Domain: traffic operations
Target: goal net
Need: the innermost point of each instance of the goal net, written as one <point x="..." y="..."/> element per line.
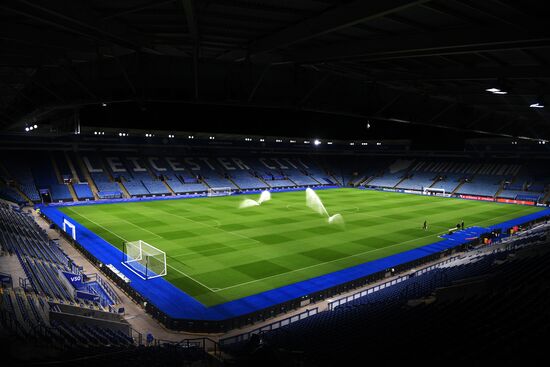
<point x="144" y="260"/>
<point x="219" y="191"/>
<point x="434" y="191"/>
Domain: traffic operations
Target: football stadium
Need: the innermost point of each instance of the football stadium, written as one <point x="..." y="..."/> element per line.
<point x="271" y="183"/>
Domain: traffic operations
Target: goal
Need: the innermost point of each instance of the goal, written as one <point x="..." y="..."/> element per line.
<point x="219" y="191"/>
<point x="69" y="225"/>
<point x="144" y="260"/>
<point x="434" y="191"/>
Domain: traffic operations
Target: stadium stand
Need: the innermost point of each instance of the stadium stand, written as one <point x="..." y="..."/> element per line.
<point x="162" y="175"/>
<point x="44" y="308"/>
<point x="448" y="182"/>
<point x="245" y="180"/>
<point x="21" y="173"/>
<point x="393" y="175"/>
<point x="43" y="261"/>
<point x="83" y="191"/>
<point x="417" y="181"/>
<point x="10" y="194"/>
<point x="42" y="314"/>
<point x="482" y="185"/>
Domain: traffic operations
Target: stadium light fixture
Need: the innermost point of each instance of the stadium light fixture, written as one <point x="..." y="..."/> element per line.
<point x="211" y="137"/>
<point x="104" y="104"/>
<point x="378" y="143"/>
<point x="293" y="141"/>
<point x="35" y="126"/>
<point x="278" y="140"/>
<point x="306" y="141"/>
<point x="496" y="91"/>
<point x="352" y="143"/>
<point x="191" y="137"/>
<point x="364" y="143"/>
<point x="329" y="143"/>
<point x="317" y="142"/>
<point x="262" y="140"/>
<point x="27" y="129"/>
<point x="536" y="105"/>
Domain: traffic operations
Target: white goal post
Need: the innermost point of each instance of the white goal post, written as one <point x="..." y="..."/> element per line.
<point x="434" y="191"/>
<point x="144" y="260"/>
<point x="219" y="191"/>
<point x="67" y="224"/>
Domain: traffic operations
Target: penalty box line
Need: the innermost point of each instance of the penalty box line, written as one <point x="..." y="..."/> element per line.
<point x="170" y="266"/>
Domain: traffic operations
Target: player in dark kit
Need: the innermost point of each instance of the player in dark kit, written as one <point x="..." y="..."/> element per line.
<point x="425" y="226"/>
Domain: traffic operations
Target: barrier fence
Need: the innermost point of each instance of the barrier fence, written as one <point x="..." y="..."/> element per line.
<point x="269" y="327"/>
<point x="333" y="304"/>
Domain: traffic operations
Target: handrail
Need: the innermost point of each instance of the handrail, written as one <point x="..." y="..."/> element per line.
<point x="274" y="325"/>
<point x="338" y="302"/>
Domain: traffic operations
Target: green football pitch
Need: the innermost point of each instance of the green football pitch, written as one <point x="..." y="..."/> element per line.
<point x="217" y="252"/>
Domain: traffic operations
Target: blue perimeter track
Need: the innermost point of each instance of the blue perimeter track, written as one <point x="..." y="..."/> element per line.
<point x="178" y="305"/>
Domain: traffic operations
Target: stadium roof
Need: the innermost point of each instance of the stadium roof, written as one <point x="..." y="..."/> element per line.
<point x="425" y="62"/>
